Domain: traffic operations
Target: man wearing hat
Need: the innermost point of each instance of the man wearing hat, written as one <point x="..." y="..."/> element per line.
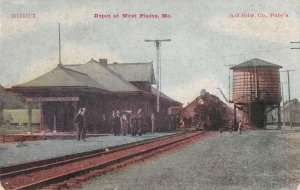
<point x="80" y="124"/>
<point x="116" y="123"/>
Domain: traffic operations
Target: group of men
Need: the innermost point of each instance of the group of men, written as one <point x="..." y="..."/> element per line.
<point x="127" y="123"/>
<point x="120" y="123"/>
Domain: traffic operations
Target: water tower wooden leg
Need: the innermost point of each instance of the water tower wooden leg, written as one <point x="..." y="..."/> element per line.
<point x="279" y="116"/>
<point x="234" y="113"/>
<point x="249" y="115"/>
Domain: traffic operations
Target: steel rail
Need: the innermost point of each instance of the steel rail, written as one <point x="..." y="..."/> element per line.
<point x="90" y="156"/>
<point x="23" y="168"/>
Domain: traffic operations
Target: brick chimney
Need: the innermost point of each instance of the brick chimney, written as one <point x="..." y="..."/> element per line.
<point x="103" y="62"/>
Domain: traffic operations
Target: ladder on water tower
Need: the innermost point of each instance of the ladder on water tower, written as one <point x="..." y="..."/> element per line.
<point x="248" y="92"/>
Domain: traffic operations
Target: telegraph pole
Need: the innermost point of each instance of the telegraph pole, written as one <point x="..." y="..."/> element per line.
<point x="288" y="74"/>
<point x="282" y="95"/>
<point x="59" y="49"/>
<point x="229" y="80"/>
<point x="289" y="92"/>
<point x="59" y="64"/>
<point x="157" y="44"/>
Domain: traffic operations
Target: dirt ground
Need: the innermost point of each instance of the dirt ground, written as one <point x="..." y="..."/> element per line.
<point x="293" y="149"/>
<point x="261" y="159"/>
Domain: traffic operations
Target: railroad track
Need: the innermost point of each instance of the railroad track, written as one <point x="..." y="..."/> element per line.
<point x="43" y="173"/>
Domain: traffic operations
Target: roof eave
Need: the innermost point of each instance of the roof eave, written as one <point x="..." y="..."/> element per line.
<point x="251" y="66"/>
<point x="127" y="92"/>
<point x="20" y="88"/>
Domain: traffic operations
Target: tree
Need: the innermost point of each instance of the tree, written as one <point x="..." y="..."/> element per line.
<point x="12" y="101"/>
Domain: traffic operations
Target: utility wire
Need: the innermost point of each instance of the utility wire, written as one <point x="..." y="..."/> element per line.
<point x="240" y="54"/>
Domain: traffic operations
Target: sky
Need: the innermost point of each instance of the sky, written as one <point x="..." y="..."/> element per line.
<point x="205" y="36"/>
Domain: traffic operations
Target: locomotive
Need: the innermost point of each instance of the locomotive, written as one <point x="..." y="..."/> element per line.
<point x="211" y="113"/>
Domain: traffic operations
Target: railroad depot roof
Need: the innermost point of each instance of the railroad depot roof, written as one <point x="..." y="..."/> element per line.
<point x="108" y="79"/>
<point x="93" y="74"/>
<point x="255" y="63"/>
<point x="134" y="72"/>
<point x="162" y="95"/>
<point x="61" y="77"/>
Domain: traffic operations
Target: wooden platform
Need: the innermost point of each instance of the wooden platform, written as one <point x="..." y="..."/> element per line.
<point x="7" y="138"/>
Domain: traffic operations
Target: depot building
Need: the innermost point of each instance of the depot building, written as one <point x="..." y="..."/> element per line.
<point x="96" y="85"/>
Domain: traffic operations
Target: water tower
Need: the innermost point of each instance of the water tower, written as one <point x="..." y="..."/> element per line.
<point x="256" y="90"/>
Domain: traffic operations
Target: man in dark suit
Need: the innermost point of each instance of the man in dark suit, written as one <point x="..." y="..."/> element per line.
<point x="115" y="123"/>
<point x="80" y="123"/>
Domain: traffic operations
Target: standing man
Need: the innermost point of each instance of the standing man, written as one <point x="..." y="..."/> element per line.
<point x="124" y="124"/>
<point x="80" y="123"/>
<point x="240" y="127"/>
<point x="153" y="122"/>
<point x="140" y="120"/>
<point x="116" y="124"/>
<point x="84" y="126"/>
<point x="111" y="122"/>
<point x="133" y="124"/>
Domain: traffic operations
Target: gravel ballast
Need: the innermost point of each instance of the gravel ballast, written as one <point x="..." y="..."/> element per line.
<point x="253" y="160"/>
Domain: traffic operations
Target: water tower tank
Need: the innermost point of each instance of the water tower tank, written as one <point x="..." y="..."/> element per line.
<point x="256" y="86"/>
